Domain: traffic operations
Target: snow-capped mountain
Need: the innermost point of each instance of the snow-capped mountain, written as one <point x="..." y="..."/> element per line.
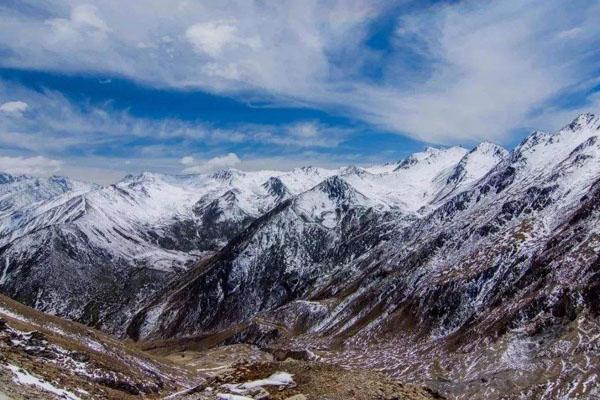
<point x="493" y="276"/>
<point x="137" y="232"/>
<point x="17" y="192"/>
<point x="145" y="229"/>
<point x="462" y="268"/>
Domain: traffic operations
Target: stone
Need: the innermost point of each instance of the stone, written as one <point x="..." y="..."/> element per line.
<point x="262" y="394"/>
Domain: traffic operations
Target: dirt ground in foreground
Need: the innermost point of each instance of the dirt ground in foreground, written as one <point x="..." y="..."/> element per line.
<point x="313" y="380"/>
<point x="329" y="382"/>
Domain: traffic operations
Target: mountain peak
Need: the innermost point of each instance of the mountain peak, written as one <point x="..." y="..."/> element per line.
<point x="276" y="188"/>
<point x="429" y="155"/>
<point x="336" y="188"/>
<point x="226" y="174"/>
<point x="353" y="170"/>
<point x="477" y="162"/>
<point x="63" y="181"/>
<point x="145" y="176"/>
<point x="582" y="121"/>
<point x="6" y="178"/>
<point x="489" y="148"/>
<point x="530" y="141"/>
<point x="307" y="169"/>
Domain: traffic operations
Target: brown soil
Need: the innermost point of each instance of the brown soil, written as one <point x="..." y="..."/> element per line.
<point x="180" y="365"/>
<point x="328" y="382"/>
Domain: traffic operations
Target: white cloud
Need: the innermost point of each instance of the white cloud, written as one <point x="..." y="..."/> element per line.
<point x="489" y="67"/>
<point x="305" y="130"/>
<point x="279" y="48"/>
<point x="55" y="124"/>
<point x="213" y="164"/>
<point x="86" y="15"/>
<point x="83" y="30"/>
<point x="570" y="33"/>
<point x="482" y="68"/>
<point x="29" y="165"/>
<point x="14" y="107"/>
<point x="187" y="160"/>
<point x="299" y="135"/>
<point x="213" y="36"/>
<point x="55" y="129"/>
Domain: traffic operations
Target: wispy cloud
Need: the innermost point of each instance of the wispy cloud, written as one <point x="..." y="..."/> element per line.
<point x="49" y="122"/>
<point x="458" y="71"/>
<point x="213" y="37"/>
<point x="43" y="132"/>
<point x="193" y="166"/>
<point x="29" y="165"/>
<point x="491" y="65"/>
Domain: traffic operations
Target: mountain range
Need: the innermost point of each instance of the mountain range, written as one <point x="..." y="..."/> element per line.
<point x="474" y="272"/>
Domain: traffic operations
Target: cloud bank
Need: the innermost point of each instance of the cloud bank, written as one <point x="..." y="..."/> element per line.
<point x="29" y="165"/>
<point x="43" y="132"/>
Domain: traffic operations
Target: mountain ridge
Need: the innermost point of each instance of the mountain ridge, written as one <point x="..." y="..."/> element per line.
<point x="469" y="255"/>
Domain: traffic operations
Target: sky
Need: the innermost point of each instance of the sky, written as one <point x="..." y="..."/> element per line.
<point x="99" y="89"/>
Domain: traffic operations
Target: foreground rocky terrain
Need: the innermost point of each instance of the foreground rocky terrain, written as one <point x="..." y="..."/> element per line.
<point x="473" y="273"/>
<point x="44" y="357"/>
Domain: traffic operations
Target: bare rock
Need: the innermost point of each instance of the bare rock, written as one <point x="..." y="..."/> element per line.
<point x="262" y="394"/>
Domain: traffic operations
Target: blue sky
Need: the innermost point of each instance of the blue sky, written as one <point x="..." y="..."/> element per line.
<point x="99" y="89"/>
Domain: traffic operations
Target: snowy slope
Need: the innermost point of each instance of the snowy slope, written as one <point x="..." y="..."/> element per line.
<point x="17" y="192"/>
<point x="136" y="235"/>
<point x="413" y="183"/>
<point x="23" y="189"/>
<point x="128" y="239"/>
<point x="465" y="270"/>
<point x="471" y="168"/>
<point x="127" y="218"/>
<point x="131" y="218"/>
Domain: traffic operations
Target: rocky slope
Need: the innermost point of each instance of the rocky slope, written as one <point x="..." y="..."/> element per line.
<point x="46" y="358"/>
<point x="127" y="239"/>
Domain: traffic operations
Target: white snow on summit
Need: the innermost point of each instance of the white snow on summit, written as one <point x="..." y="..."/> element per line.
<point x="115" y="217"/>
<point x="541" y="150"/>
<point x="413" y="183"/>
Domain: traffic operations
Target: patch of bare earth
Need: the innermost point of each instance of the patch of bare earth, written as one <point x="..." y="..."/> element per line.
<point x="42" y="355"/>
<point x="231" y="366"/>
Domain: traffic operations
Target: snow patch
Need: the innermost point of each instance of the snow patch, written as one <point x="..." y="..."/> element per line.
<point x="226" y="396"/>
<point x="12" y="315"/>
<point x="23" y="377"/>
<point x="5" y="271"/>
<point x="277" y="379"/>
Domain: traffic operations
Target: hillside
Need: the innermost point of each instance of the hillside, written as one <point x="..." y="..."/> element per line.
<point x="46" y="358"/>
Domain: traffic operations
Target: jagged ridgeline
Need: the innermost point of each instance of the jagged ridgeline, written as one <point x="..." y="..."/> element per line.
<point x="474" y="271"/>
